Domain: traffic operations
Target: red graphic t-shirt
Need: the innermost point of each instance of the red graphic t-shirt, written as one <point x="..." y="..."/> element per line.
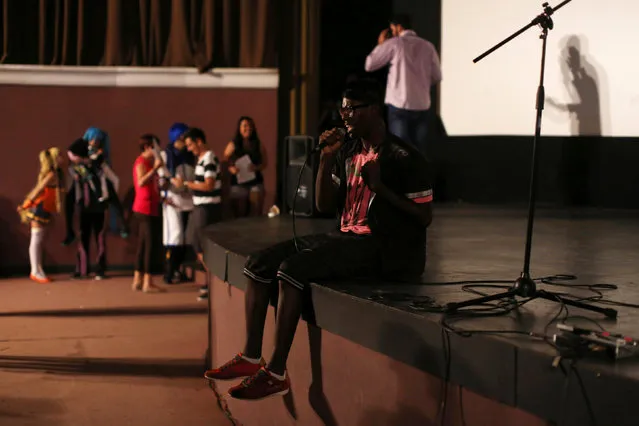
<point x="358" y="195"/>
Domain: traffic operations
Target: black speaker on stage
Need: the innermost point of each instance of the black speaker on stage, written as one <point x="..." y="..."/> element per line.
<point x="298" y="149"/>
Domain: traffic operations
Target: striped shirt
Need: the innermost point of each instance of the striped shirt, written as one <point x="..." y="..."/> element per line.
<point x="208" y="166"/>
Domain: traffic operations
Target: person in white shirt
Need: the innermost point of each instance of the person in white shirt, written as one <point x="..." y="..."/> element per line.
<point x="177" y="203"/>
<point x="414" y="68"/>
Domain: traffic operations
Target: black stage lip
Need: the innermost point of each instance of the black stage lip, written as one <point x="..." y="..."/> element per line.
<point x="467" y="243"/>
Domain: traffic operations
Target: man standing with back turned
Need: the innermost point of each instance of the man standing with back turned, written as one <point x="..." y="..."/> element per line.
<point x="380" y="187"/>
<point x="414" y="68"/>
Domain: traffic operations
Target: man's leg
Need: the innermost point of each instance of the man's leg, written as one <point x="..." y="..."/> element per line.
<point x="82" y="262"/>
<point x="291" y="302"/>
<point x="99" y="231"/>
<point x="398" y="123"/>
<point x="256" y="301"/>
<point x="338" y="257"/>
<point x="212" y="214"/>
<point x="182" y="248"/>
<point x="196" y="222"/>
<point x="69" y="206"/>
<point x="260" y="269"/>
<point x="420" y="130"/>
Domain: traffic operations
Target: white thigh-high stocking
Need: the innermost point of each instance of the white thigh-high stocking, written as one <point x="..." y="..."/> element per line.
<point x="35" y="252"/>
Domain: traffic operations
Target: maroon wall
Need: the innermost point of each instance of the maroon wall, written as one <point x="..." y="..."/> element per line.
<point x="337" y="382"/>
<point x="35" y="117"/>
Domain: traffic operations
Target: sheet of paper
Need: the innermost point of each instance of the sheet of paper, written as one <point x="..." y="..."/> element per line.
<point x="244" y="173"/>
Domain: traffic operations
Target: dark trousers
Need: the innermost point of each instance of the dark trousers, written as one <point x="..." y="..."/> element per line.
<point x="410" y="126"/>
<point x="91" y="223"/>
<point x="201" y="216"/>
<point x="69" y="208"/>
<point x="145" y="243"/>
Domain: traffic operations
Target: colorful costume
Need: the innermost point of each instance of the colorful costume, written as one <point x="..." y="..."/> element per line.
<point x="91" y="164"/>
<point x="39" y="207"/>
<point x="178" y="202"/>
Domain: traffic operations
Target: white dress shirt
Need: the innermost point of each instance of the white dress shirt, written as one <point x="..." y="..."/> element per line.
<point x="414" y="68"/>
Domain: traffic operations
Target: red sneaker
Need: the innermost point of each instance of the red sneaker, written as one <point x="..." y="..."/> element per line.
<point x="234" y="369"/>
<point x="261" y="385"/>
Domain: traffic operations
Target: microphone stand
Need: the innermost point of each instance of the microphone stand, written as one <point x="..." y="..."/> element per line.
<point x="525" y="286"/>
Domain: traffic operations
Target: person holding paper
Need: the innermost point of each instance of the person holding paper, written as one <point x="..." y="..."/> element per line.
<point x="247" y="160"/>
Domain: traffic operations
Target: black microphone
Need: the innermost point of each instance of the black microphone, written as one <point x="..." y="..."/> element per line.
<point x="342" y="131"/>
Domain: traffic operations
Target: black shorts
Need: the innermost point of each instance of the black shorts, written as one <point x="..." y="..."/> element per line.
<point x="332" y="256"/>
<point x="202" y="216"/>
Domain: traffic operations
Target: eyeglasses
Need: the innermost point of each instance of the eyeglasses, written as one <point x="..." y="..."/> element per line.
<point x="349" y="110"/>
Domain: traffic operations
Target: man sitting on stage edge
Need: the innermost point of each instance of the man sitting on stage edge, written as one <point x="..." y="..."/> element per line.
<point x="381" y="188"/>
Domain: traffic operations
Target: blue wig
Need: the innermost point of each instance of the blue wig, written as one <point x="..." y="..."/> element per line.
<point x="174" y="156"/>
<point x="102" y="138"/>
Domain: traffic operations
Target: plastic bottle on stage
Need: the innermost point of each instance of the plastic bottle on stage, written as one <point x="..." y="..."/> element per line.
<point x="273" y="212"/>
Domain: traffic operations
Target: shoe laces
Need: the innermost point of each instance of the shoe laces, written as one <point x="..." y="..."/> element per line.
<point x="232" y="362"/>
<point x="247" y="382"/>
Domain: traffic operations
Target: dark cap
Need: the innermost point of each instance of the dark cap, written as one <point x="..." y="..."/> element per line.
<point x="401" y="19"/>
<point x="364" y="90"/>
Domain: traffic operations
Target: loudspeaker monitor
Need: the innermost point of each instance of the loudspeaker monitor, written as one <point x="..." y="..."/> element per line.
<point x="298" y="149"/>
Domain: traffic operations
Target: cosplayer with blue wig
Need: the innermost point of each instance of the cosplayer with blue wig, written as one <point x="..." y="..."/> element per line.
<point x="177" y="202"/>
<point x="91" y="163"/>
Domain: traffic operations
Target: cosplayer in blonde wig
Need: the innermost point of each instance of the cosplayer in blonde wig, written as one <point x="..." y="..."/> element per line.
<point x="38" y="206"/>
<point x="48" y="163"/>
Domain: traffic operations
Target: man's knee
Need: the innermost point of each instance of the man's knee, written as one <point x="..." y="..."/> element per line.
<point x="292" y="272"/>
<point x="257" y="269"/>
<point x="253" y="261"/>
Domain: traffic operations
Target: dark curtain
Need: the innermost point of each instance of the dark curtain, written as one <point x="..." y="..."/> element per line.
<point x="174" y="33"/>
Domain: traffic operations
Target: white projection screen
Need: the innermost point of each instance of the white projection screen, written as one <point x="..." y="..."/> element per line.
<point x="592" y="68"/>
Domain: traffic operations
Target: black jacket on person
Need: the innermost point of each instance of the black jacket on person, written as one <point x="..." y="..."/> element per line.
<point x="405" y="171"/>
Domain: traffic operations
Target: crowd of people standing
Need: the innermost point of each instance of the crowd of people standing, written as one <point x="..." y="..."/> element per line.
<point x="180" y="183"/>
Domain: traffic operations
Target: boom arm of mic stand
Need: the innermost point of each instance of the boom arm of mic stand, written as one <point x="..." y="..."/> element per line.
<point x="543" y="19"/>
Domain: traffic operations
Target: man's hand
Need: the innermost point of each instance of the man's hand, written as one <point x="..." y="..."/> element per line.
<point x="383" y="36"/>
<point x="333" y="139"/>
<point x="169" y="202"/>
<point x="177" y="182"/>
<point x="157" y="164"/>
<point x="372" y="175"/>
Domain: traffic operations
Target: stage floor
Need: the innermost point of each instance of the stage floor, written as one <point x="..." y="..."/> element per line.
<point x="481" y="244"/>
<point x="475" y="244"/>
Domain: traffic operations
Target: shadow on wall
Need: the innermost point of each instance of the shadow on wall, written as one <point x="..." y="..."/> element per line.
<point x="588" y="111"/>
<point x="583" y="79"/>
<point x="406" y="385"/>
<point x="14" y="241"/>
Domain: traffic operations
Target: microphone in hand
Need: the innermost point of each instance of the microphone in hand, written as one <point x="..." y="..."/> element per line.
<point x="333" y="139"/>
